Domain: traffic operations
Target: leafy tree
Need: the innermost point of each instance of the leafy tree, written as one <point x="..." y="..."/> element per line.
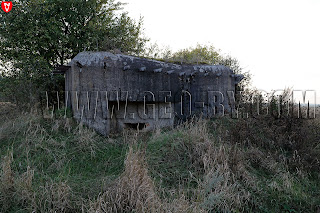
<point x="40" y="34"/>
<point x="234" y="64"/>
<point x="208" y="54"/>
<point x="57" y="30"/>
<point x="201" y="54"/>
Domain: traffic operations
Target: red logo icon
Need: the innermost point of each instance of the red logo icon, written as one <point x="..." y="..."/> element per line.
<point x="6" y="6"/>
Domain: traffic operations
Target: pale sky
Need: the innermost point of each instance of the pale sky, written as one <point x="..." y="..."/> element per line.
<point x="277" y="41"/>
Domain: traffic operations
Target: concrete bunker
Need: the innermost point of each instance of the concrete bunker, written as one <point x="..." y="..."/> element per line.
<point x="110" y="92"/>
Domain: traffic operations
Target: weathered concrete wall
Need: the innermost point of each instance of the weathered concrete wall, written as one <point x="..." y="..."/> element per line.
<point x="100" y="81"/>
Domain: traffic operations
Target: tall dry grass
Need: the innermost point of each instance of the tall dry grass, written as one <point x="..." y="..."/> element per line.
<point x="221" y="158"/>
<point x="18" y="190"/>
<point x="217" y="166"/>
<point x="7" y="182"/>
<point x="133" y="191"/>
<point x="54" y="197"/>
<point x="223" y="164"/>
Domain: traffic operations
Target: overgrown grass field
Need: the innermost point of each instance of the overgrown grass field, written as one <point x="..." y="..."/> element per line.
<point x="219" y="165"/>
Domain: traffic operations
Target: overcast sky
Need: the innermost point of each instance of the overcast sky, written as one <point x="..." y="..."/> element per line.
<point x="278" y="41"/>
